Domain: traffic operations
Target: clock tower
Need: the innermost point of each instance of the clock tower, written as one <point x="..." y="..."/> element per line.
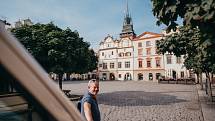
<point x="127" y="29"/>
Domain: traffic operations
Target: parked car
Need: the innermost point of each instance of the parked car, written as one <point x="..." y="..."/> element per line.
<point x="27" y="93"/>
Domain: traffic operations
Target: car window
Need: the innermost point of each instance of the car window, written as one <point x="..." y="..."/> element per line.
<point x="25" y="80"/>
<point x="16" y="104"/>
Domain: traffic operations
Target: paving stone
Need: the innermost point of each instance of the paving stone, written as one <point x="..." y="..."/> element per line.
<point x="144" y="101"/>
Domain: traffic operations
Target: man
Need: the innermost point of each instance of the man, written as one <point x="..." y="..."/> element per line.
<point x="89" y="106"/>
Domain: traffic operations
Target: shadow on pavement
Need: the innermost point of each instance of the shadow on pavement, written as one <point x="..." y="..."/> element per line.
<point x="137" y="98"/>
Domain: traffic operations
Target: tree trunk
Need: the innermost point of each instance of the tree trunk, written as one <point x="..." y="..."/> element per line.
<point x="211" y="82"/>
<point x="201" y="82"/>
<point x="197" y="81"/>
<point x="209" y="85"/>
<point x="60" y="80"/>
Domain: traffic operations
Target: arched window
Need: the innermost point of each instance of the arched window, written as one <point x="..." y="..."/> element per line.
<point x="127" y="76"/>
<point x="158" y="75"/>
<point x="140" y="76"/>
<point x="121" y="54"/>
<point x="150" y="76"/>
<point x="128" y="54"/>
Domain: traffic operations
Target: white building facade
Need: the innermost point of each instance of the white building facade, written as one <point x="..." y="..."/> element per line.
<point x="116" y="60"/>
<point x="148" y="64"/>
<point x="134" y="57"/>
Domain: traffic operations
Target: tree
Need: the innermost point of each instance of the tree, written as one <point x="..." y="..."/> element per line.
<point x="59" y="51"/>
<point x="195" y="14"/>
<point x="189" y="42"/>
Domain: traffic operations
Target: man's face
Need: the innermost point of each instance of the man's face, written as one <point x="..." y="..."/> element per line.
<point x="94" y="88"/>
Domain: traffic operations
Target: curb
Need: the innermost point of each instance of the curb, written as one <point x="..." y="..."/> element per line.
<point x="207" y="107"/>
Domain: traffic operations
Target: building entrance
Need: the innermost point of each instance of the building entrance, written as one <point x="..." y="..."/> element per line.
<point x="140" y="76"/>
<point x="127" y="76"/>
<point x="112" y="77"/>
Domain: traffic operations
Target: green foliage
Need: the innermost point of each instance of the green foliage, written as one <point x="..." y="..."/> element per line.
<point x="196" y="39"/>
<point x="189" y="42"/>
<point x="194" y="12"/>
<point x="59" y="51"/>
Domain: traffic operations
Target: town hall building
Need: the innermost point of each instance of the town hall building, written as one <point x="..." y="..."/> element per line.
<point x="135" y="57"/>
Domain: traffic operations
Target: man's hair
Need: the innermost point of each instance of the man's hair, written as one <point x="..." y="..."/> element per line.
<point x="92" y="81"/>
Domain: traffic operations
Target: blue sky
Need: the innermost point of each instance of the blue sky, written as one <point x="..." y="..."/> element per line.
<point x="93" y="19"/>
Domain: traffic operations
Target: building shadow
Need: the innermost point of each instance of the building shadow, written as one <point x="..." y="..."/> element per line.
<point x="137" y="98"/>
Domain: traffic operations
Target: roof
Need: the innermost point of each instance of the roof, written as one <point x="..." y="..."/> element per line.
<point x="147" y="35"/>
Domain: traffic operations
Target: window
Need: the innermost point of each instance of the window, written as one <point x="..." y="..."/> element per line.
<point x="112" y="52"/>
<point x="158" y="75"/>
<point x="119" y="64"/>
<point x="102" y="53"/>
<point x="156" y="51"/>
<point x="148" y="43"/>
<point x="100" y="65"/>
<point x="178" y="60"/>
<point x="182" y="74"/>
<point x="156" y="41"/>
<point x="158" y="63"/>
<point x="150" y="76"/>
<point x="139" y="44"/>
<point x="127" y="64"/>
<point x="140" y="76"/>
<point x="121" y="54"/>
<point x="111" y="65"/>
<point x="148" y="63"/>
<point x="128" y="54"/>
<point x="104" y="65"/>
<point x="28" y="107"/>
<point x="148" y="51"/>
<point x="140" y="63"/>
<point x="120" y="75"/>
<point x="104" y="76"/>
<point x="140" y="51"/>
<point x="169" y="59"/>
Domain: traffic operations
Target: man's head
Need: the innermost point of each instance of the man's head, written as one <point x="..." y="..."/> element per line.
<point x="93" y="86"/>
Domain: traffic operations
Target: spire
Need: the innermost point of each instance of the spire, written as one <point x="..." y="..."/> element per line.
<point x="127" y="29"/>
<point x="127" y="11"/>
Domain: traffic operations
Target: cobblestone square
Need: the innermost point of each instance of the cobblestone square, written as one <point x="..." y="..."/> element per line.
<point x="144" y="101"/>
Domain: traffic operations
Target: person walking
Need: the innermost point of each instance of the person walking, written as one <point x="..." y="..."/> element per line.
<point x="89" y="106"/>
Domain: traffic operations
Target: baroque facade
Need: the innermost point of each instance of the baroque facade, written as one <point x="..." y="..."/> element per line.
<point x="133" y="57"/>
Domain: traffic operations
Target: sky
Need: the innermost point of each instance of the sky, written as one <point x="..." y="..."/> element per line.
<point x="93" y="19"/>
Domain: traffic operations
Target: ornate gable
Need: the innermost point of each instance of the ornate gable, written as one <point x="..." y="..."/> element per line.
<point x="108" y="39"/>
<point x="148" y="35"/>
<point x="125" y="42"/>
<point x="108" y="42"/>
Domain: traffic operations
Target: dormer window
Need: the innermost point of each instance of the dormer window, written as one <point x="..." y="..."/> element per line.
<point x="121" y="54"/>
<point x="128" y="54"/>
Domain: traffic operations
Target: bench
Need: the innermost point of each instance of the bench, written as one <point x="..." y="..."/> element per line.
<point x="67" y="92"/>
<point x="168" y="80"/>
<point x="177" y="81"/>
<point x="72" y="97"/>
